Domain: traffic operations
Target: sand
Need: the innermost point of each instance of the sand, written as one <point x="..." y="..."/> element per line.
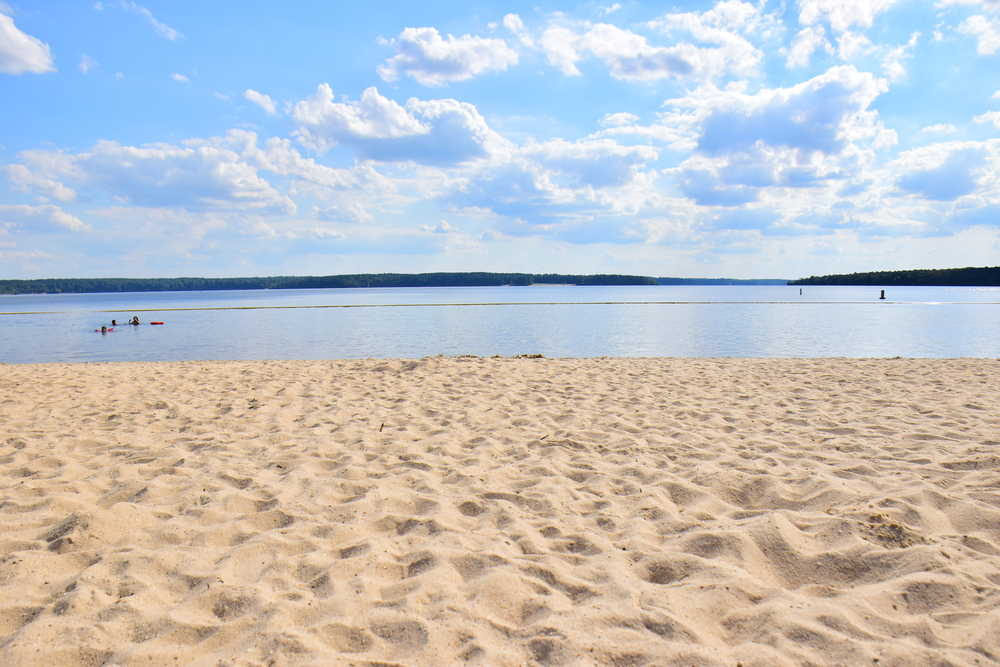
<point x="454" y="511"/>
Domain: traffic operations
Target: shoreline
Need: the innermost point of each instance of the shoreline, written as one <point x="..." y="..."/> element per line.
<point x="501" y="511"/>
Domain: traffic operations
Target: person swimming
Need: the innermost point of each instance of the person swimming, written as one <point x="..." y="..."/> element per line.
<point x="114" y="323"/>
<point x="134" y="320"/>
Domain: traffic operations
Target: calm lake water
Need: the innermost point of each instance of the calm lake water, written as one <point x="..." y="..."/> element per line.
<point x="557" y="321"/>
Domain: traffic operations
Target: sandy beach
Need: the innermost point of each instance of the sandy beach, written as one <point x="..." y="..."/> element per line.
<point x="450" y="511"/>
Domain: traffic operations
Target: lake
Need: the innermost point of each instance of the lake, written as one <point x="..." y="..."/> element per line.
<point x="553" y="320"/>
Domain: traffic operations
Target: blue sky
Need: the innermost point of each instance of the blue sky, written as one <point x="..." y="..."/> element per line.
<point x="736" y="139"/>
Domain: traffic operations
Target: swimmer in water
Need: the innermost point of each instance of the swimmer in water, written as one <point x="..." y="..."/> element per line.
<point x="104" y="329"/>
<point x="114" y="323"/>
<point x="134" y="320"/>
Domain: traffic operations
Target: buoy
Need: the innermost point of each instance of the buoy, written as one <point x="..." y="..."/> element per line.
<point x="882" y="295"/>
<point x="156" y="322"/>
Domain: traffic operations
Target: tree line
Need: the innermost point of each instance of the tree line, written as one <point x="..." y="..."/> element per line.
<point x="467" y="279"/>
<point x="986" y="276"/>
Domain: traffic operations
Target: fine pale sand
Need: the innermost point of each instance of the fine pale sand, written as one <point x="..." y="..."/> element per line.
<point x="455" y="511"/>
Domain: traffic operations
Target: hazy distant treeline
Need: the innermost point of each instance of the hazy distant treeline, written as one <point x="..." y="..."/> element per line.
<point x="720" y="281"/>
<point x="475" y="279"/>
<point x="987" y="276"/>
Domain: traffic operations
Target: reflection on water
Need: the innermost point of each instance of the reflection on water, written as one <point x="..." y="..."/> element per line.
<point x="686" y="321"/>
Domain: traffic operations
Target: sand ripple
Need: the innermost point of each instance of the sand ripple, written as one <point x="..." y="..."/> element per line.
<point x="619" y="512"/>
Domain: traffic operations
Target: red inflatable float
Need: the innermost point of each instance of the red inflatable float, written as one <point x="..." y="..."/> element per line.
<point x="156" y="322"/>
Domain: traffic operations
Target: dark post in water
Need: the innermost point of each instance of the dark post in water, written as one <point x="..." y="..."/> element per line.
<point x="883" y="295"/>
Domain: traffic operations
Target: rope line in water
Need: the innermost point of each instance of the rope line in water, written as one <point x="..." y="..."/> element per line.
<point x="514" y="303"/>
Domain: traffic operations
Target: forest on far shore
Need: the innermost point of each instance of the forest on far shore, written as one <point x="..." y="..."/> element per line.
<point x="987" y="276"/>
<point x="475" y="279"/>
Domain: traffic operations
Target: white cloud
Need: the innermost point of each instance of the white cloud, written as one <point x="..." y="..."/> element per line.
<point x="989" y="117"/>
<point x="613" y="8"/>
<point x="822" y="114"/>
<point x="995" y="96"/>
<point x="988" y="5"/>
<point x="20" y="53"/>
<point x="986" y="30"/>
<point x="442" y="227"/>
<point x="725" y="25"/>
<point x="513" y="23"/>
<point x="34" y="219"/>
<point x="349" y="212"/>
<point x="792" y="137"/>
<point x="559" y="185"/>
<point x="805" y="43"/>
<point x="25" y="180"/>
<point x="629" y="56"/>
<point x="324" y="123"/>
<point x="87" y="63"/>
<point x="892" y="63"/>
<point x="179" y="77"/>
<point x="940" y="129"/>
<point x="598" y="163"/>
<point x="432" y="61"/>
<point x="618" y="119"/>
<point x="435" y="132"/>
<point x="261" y="100"/>
<point x="161" y="29"/>
<point x="946" y="171"/>
<point x="852" y="43"/>
<point x="162" y="176"/>
<point x="280" y="157"/>
<point x="842" y="15"/>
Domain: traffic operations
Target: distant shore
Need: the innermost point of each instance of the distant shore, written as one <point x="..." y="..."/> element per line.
<point x="460" y="279"/>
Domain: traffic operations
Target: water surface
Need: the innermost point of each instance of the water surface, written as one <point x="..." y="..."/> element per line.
<point x="557" y="321"/>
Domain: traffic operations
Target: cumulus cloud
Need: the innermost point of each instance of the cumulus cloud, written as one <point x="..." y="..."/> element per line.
<point x="432" y="61"/>
<point x="943" y="172"/>
<point x="805" y="43"/>
<point x="514" y="23"/>
<point x="940" y="129"/>
<point x="160" y="175"/>
<point x="434" y="132"/>
<point x="842" y="15"/>
<point x="629" y="56"/>
<point x="618" y="119"/>
<point x="986" y="30"/>
<point x="179" y="77"/>
<point x="559" y="182"/>
<point x="279" y="157"/>
<point x="261" y="100"/>
<point x="822" y="114"/>
<point x="892" y="63"/>
<point x="989" y="117"/>
<point x="794" y="137"/>
<point x="707" y="189"/>
<point x="988" y="5"/>
<point x="599" y="163"/>
<point x="41" y="219"/>
<point x="25" y="180"/>
<point x="725" y="25"/>
<point x="20" y="53"/>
